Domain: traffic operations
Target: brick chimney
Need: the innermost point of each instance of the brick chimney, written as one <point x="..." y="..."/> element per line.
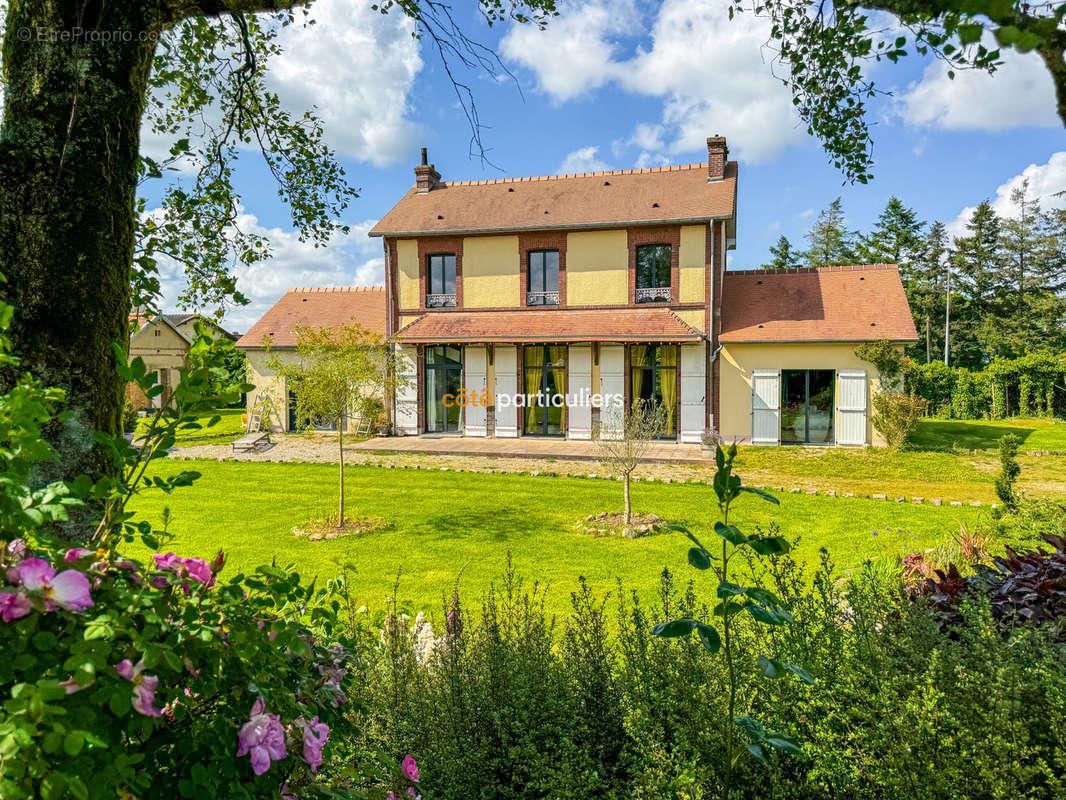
<point x="426" y="177"/>
<point x="717" y="156"/>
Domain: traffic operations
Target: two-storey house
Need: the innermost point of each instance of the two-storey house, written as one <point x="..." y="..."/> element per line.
<point x="541" y="295"/>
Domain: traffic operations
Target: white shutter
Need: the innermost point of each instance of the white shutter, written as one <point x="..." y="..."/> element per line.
<point x="851" y="405"/>
<point x="612" y="382"/>
<point x="475" y="360"/>
<point x="579" y="417"/>
<point x="407" y="390"/>
<point x="505" y="359"/>
<point x="693" y="392"/>
<point x="765" y="406"/>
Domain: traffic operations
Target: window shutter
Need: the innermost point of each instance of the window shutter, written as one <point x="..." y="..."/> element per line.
<point x="851" y="405"/>
<point x="765" y="406"/>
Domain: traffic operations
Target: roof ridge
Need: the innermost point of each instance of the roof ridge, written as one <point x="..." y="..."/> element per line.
<point x="806" y="270"/>
<point x="561" y="176"/>
<point x="335" y="289"/>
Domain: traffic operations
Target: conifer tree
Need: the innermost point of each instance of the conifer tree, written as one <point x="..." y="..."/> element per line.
<point x="832" y="244"/>
<point x="784" y="256"/>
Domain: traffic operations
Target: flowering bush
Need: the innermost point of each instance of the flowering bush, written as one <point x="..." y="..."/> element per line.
<point x="130" y="679"/>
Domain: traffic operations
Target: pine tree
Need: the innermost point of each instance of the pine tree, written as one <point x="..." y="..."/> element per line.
<point x="784" y="255"/>
<point x="931" y="283"/>
<point x="976" y="266"/>
<point x="832" y="244"/>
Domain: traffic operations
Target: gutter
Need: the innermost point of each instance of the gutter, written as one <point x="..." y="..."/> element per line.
<point x="581" y="226"/>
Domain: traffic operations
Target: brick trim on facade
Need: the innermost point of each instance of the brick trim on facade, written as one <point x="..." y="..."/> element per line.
<point x="667" y="234"/>
<point x="434" y="246"/>
<point x="548" y="240"/>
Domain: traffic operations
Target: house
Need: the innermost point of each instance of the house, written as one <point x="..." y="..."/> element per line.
<point x="541" y="306"/>
<point x="162" y="342"/>
<point x="273" y="338"/>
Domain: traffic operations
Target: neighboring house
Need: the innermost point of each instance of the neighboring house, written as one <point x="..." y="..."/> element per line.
<point x="527" y="306"/>
<point x="274" y="337"/>
<point x="162" y="342"/>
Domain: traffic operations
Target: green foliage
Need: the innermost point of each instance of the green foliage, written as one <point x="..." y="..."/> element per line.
<point x="831" y="243"/>
<point x="122" y="678"/>
<point x="886" y="357"/>
<point x="825" y="54"/>
<point x="784" y="256"/>
<point x="896" y="415"/>
<point x="129" y="416"/>
<point x="1008" y="472"/>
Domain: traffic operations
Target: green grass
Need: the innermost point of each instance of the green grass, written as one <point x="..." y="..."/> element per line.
<point x="227" y="429"/>
<point x="1035" y="434"/>
<point x="442" y="523"/>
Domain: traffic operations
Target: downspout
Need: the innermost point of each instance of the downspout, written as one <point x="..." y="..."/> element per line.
<point x="389" y="360"/>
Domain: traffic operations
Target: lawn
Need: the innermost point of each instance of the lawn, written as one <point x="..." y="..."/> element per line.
<point x="226" y="429"/>
<point x="442" y="524"/>
<point x="1035" y="434"/>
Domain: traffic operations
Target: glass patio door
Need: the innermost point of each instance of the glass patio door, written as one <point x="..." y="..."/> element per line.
<point x="444" y="379"/>
<point x="807" y="397"/>
<point x="545" y="379"/>
<point x="653" y="379"/>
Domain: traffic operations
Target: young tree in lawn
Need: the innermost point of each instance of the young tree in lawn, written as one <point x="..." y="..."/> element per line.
<point x="832" y="244"/>
<point x="823" y="50"/>
<point x="624" y="436"/>
<point x="339" y="370"/>
<point x="784" y="256"/>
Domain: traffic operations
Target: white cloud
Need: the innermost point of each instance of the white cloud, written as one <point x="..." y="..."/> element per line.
<point x="575" y="54"/>
<point x="582" y="160"/>
<point x="351" y="259"/>
<point x="1019" y="93"/>
<point x="707" y="70"/>
<point x="357" y="67"/>
<point x="1047" y="185"/>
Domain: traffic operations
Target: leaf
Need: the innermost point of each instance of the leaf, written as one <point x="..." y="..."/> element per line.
<point x="784" y="745"/>
<point x="73" y="742"/>
<point x="730" y="534"/>
<point x="674" y="629"/>
<point x="764" y="495"/>
<point x="769" y="545"/>
<point x="767" y="615"/>
<point x="727" y="589"/>
<point x="698" y="558"/>
<point x="758" y="752"/>
<point x="769" y="666"/>
<point x="709" y="636"/>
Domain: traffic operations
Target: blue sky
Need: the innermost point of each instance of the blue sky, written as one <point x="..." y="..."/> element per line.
<point x="624" y="84"/>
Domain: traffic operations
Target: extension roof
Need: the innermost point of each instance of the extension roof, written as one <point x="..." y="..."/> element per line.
<point x="585" y="200"/>
<point x="560" y="325"/>
<point x="318" y="308"/>
<point x="829" y="304"/>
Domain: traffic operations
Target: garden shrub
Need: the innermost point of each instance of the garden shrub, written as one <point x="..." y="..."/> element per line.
<point x="896" y="415"/>
<point x="123" y="678"/>
<point x="887" y="358"/>
<point x="1009" y="471"/>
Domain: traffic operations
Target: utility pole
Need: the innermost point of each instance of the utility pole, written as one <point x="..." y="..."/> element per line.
<point x="947" y="317"/>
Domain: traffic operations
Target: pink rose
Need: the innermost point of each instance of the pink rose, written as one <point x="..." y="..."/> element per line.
<point x="261" y="738"/>
<point x="69" y="589"/>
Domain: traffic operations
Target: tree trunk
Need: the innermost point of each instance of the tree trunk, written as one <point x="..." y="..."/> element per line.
<point x="68" y="172"/>
<point x="928" y="339"/>
<point x="629" y="508"/>
<point x="340" y="442"/>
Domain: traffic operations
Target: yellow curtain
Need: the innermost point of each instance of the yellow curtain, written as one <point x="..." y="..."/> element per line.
<point x="557" y="358"/>
<point x="668" y="384"/>
<point x="532" y="388"/>
<point x="638" y="357"/>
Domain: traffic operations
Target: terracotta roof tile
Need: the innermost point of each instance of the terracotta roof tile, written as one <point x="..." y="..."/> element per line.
<point x="831" y="304"/>
<point x="588" y="199"/>
<point x="319" y="308"/>
<point x="561" y="325"/>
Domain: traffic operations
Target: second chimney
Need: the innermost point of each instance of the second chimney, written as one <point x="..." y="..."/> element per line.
<point x="717" y="156"/>
<point x="426" y="177"/>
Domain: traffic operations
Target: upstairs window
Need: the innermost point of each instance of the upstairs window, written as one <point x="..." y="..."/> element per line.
<point x="440" y="280"/>
<point x="653" y="273"/>
<point x="543" y="287"/>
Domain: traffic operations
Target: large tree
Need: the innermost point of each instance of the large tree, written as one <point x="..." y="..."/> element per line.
<point x="784" y="256"/>
<point x="822" y="50"/>
<point x="831" y="243"/>
<point x="78" y="77"/>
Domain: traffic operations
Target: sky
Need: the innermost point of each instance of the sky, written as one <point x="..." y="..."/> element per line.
<point x="617" y="84"/>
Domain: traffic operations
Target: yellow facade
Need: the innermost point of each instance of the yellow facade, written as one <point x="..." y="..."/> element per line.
<point x="695" y="318"/>
<point x="597" y="268"/>
<point x="738" y="360"/>
<point x="490" y="272"/>
<point x="692" y="260"/>
<point x="269" y="395"/>
<point x="407" y="273"/>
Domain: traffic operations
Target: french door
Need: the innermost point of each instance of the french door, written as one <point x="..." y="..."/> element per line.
<point x="444" y="379"/>
<point x="807" y="397"/>
<point x="545" y="382"/>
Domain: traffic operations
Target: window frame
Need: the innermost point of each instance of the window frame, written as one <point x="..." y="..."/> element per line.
<point x="669" y="265"/>
<point x="542" y="251"/>
<point x="443" y="260"/>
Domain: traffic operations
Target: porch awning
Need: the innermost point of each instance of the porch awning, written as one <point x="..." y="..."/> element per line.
<point x="556" y="325"/>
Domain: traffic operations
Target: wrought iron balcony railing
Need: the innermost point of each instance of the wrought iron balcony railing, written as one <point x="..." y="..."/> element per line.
<point x="653" y="294"/>
<point x="440" y="300"/>
<point x="542" y="298"/>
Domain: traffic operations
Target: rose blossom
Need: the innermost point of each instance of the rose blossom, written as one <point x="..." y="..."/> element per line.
<point x="262" y="738"/>
<point x="144" y="687"/>
<point x="69" y="589"/>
